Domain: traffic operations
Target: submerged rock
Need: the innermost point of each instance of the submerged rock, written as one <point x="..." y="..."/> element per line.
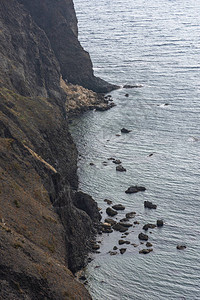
<point x="150" y="205"/>
<point x="160" y="223"/>
<point x="124" y="130"/>
<point x="119" y="228"/>
<point x="181" y="247"/>
<point x="145" y="251"/>
<point x="122" y="250"/>
<point x="117" y="161"/>
<point x="135" y="189"/>
<point x="120" y="168"/>
<point x="143" y="237"/>
<point x="110" y="221"/>
<point x="147" y="226"/>
<point x="130" y="215"/>
<point x="109" y="202"/>
<point x="111" y="212"/>
<point x="148" y="244"/>
<point x="118" y="207"/>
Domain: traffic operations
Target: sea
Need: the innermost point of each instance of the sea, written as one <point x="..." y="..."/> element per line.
<point x="155" y="46"/>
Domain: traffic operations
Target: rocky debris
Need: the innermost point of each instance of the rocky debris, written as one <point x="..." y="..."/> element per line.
<point x="135" y="245"/>
<point x="143" y="237"/>
<point x="121" y="242"/>
<point x="150" y="205"/>
<point x="130" y="215"/>
<point x="145" y="251"/>
<point x="118" y="207"/>
<point x="124" y="130"/>
<point x="111" y="212"/>
<point x="120" y="168"/>
<point x="181" y="247"/>
<point x="135" y="189"/>
<point x="148" y="244"/>
<point x="147" y="226"/>
<point x="117" y="161"/>
<point x="122" y="250"/>
<point x="160" y="223"/>
<point x="109" y="202"/>
<point x="110" y="221"/>
<point x="119" y="228"/>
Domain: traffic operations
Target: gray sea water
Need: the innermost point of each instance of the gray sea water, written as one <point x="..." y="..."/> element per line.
<point x="156" y="44"/>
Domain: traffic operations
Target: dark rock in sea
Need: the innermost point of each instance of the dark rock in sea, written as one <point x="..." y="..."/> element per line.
<point x="111" y="212"/>
<point x="126" y="233"/>
<point x="181" y="247"/>
<point x="147" y="226"/>
<point x="136" y="223"/>
<point x="145" y="251"/>
<point x="135" y="245"/>
<point x="117" y="134"/>
<point x="111" y="158"/>
<point x="143" y="237"/>
<point x="115" y="248"/>
<point x="118" y="207"/>
<point x="124" y="130"/>
<point x="148" y="244"/>
<point x="112" y="252"/>
<point x="148" y="204"/>
<point x="110" y="221"/>
<point x="130" y="215"/>
<point x="82" y="277"/>
<point x="124" y="220"/>
<point x="160" y="223"/>
<point x="120" y="168"/>
<point x="105" y="163"/>
<point x="109" y="202"/>
<point x="117" y="161"/>
<point x="106" y="225"/>
<point x="129" y="86"/>
<point x="121" y="242"/>
<point x="125" y="224"/>
<point x="135" y="189"/>
<point x="122" y="250"/>
<point x="95" y="247"/>
<point x="91" y="164"/>
<point x="107" y="230"/>
<point x="119" y="228"/>
<point x="126" y="95"/>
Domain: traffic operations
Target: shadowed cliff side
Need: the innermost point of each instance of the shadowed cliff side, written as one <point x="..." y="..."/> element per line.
<point x="43" y="233"/>
<point x="58" y="20"/>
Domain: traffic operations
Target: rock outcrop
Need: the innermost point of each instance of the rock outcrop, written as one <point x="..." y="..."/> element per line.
<point x="46" y="230"/>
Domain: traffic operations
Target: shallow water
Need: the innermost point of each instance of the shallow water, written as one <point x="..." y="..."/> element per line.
<point x="155" y="44"/>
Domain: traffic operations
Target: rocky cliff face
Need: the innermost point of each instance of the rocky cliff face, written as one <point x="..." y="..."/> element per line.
<point x="58" y="20"/>
<point x="45" y="227"/>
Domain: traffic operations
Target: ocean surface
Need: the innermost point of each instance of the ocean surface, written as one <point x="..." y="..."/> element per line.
<point x="154" y="44"/>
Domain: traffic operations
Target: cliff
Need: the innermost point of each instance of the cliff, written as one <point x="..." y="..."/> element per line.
<point x="45" y="231"/>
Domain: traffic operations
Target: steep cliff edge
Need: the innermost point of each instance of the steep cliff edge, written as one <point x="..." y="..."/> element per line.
<point x="58" y="20"/>
<point x="44" y="231"/>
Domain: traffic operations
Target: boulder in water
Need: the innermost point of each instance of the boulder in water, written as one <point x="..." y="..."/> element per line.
<point x="150" y="205"/>
<point x="135" y="189"/>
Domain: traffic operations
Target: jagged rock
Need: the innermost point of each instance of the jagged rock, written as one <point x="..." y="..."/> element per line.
<point x="122" y="250"/>
<point x="124" y="130"/>
<point x="115" y="248"/>
<point x="118" y="207"/>
<point x="109" y="202"/>
<point x="107" y="230"/>
<point x="148" y="244"/>
<point x="121" y="242"/>
<point x="148" y="204"/>
<point x="160" y="223"/>
<point x="117" y="161"/>
<point x="111" y="212"/>
<point x="145" y="251"/>
<point x="143" y="237"/>
<point x="110" y="221"/>
<point x="181" y="247"/>
<point x="130" y="215"/>
<point x="135" y="189"/>
<point x="147" y="226"/>
<point x="120" y="168"/>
